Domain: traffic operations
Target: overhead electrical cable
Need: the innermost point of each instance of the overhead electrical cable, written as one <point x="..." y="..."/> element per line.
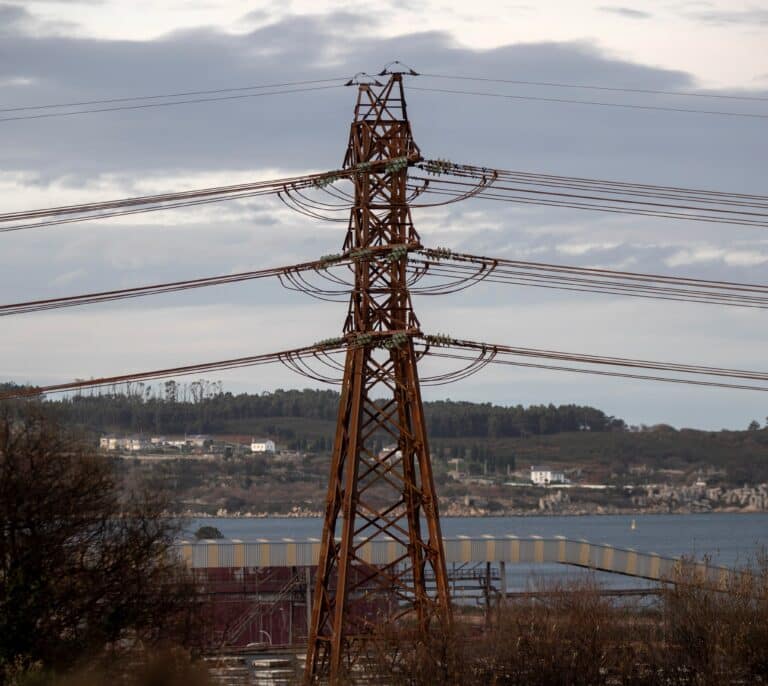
<point x="582" y="86"/>
<point x="138" y="98"/>
<point x="236" y="363"/>
<point x="151" y="199"/>
<point x="658" y="108"/>
<point x="454" y="269"/>
<point x="597" y="372"/>
<point x="577" y="281"/>
<point x="654" y="189"/>
<point x="156" y="289"/>
<point x="453" y="180"/>
<point x="617" y="206"/>
<point x="610" y="195"/>
<point x="615" y="361"/>
<point x="139" y="210"/>
<point x="450" y="348"/>
<point x="489" y="195"/>
<point x="150" y="203"/>
<point x="436" y="346"/>
<point x="637" y="276"/>
<point x="173" y="103"/>
<point x="529" y="188"/>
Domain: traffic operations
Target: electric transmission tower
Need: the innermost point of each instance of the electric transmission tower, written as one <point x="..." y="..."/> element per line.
<point x="389" y="492"/>
<point x="381" y="484"/>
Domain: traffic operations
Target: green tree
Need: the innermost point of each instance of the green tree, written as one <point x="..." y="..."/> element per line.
<point x="208" y="532"/>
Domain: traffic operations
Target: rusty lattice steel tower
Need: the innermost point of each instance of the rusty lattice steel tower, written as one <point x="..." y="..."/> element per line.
<point x="378" y="492"/>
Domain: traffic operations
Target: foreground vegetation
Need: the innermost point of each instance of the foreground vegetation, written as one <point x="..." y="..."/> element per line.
<point x="693" y="635"/>
<point x="87" y="578"/>
<point x="90" y="594"/>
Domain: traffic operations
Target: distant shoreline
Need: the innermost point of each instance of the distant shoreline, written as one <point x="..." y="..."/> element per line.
<point x="527" y="513"/>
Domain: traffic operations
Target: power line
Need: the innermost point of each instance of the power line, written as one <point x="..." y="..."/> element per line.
<point x="140" y="210"/>
<point x="156" y="289"/>
<point x="438" y="344"/>
<point x="584" y="280"/>
<point x="596" y="372"/>
<point x="95" y="210"/>
<point x="658" y="108"/>
<point x="597" y="185"/>
<point x="589" y="358"/>
<point x="588" y="194"/>
<point x="236" y="363"/>
<point x="167" y="95"/>
<point x="637" y="276"/>
<point x="645" y="91"/>
<point x="167" y="104"/>
<point x="490" y="195"/>
<point x="455" y="269"/>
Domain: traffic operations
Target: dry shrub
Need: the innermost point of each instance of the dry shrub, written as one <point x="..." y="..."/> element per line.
<point x="167" y="667"/>
<point x="565" y="635"/>
<point x="404" y="656"/>
<point x="716" y="634"/>
<point x="694" y="634"/>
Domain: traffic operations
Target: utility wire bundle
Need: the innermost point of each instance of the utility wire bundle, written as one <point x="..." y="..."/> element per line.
<point x="478" y="354"/>
<point x="448" y="271"/>
<point x="199" y="96"/>
<point x="527" y="188"/>
<point x="448" y="182"/>
<point x="428" y="271"/>
<point x="151" y="203"/>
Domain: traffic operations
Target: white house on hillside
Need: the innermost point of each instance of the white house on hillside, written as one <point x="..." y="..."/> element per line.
<point x="262" y="445"/>
<point x="132" y="443"/>
<point x="543" y="476"/>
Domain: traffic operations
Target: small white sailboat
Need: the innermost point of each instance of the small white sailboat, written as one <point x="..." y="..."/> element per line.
<point x="633" y="525"/>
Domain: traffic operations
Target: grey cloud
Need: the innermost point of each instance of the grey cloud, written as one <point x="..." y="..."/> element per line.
<point x="755" y="17"/>
<point x="264" y="130"/>
<point x="16" y="21"/>
<point x="256" y="16"/>
<point x="13" y="17"/>
<point x="627" y="12"/>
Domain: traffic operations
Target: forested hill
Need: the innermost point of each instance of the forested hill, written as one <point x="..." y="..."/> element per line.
<point x="486" y="435"/>
<point x="205" y="408"/>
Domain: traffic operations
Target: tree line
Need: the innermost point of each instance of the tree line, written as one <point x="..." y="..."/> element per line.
<point x="204" y="407"/>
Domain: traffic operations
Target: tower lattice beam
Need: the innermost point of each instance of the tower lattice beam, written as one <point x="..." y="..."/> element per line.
<point x="381" y="482"/>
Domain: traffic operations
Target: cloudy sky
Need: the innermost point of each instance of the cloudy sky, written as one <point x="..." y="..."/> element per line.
<point x="61" y="51"/>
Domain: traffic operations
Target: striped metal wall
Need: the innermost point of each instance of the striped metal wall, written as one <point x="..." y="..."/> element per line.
<point x="510" y="549"/>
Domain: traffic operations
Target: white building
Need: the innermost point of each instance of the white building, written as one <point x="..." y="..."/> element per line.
<point x="137" y="444"/>
<point x="262" y="445"/>
<point x="179" y="443"/>
<point x="543" y="476"/>
<point x="108" y="442"/>
<point x="130" y="443"/>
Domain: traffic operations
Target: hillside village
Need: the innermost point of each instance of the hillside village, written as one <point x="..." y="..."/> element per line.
<point x="257" y="477"/>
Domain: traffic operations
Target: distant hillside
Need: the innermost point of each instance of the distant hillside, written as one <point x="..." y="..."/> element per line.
<point x="308" y="414"/>
<point x="740" y="456"/>
<point x="488" y="437"/>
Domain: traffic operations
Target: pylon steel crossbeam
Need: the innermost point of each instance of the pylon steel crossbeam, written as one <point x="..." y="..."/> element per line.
<point x="388" y="492"/>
